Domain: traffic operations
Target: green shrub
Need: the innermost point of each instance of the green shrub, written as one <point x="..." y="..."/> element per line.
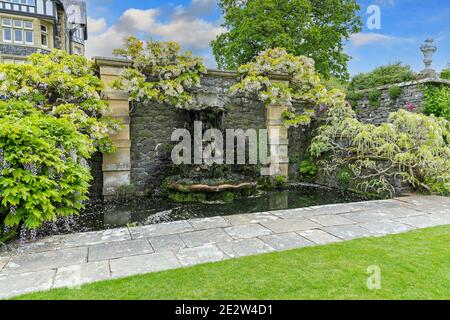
<point x="280" y="181"/>
<point x="45" y="143"/>
<point x="374" y="98"/>
<point x="445" y="74"/>
<point x="384" y="75"/>
<point x="344" y="177"/>
<point x="353" y="97"/>
<point x="43" y="169"/>
<point x="410" y="146"/>
<point x="437" y="101"/>
<point x="308" y="169"/>
<point x="395" y="92"/>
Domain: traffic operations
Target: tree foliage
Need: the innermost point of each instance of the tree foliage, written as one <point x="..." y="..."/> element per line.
<point x="315" y="28"/>
<point x="412" y="147"/>
<point x="50" y="125"/>
<point x="159" y="73"/>
<point x="383" y="75"/>
<point x="302" y="84"/>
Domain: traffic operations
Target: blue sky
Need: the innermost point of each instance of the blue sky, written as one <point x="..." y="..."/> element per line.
<point x="405" y="24"/>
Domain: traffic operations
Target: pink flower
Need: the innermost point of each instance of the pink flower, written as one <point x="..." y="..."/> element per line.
<point x="410" y="107"/>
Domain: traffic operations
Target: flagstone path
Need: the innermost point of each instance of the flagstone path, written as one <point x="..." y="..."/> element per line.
<point x="74" y="259"/>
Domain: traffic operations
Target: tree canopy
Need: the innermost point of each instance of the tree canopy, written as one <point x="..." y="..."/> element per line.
<point x="314" y="28"/>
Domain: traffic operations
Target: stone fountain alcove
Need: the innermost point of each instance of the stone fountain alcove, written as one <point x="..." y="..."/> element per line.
<point x="142" y="157"/>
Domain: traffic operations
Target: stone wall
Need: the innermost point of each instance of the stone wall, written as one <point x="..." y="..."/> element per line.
<point x="13" y="50"/>
<point x="411" y="92"/>
<point x="152" y="125"/>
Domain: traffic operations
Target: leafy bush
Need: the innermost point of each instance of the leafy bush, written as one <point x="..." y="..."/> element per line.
<point x="445" y="74"/>
<point x="43" y="169"/>
<point x="50" y="124"/>
<point x="437" y="101"/>
<point x="395" y="92"/>
<point x="353" y="97"/>
<point x="374" y="98"/>
<point x="160" y="73"/>
<point x="344" y="177"/>
<point x="390" y="74"/>
<point x="308" y="169"/>
<point x="412" y="147"/>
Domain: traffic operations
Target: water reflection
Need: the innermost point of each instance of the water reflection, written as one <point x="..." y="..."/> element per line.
<point x="151" y="211"/>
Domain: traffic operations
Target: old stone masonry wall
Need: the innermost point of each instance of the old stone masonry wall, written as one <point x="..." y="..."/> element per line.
<point x="411" y="93"/>
<point x="151" y="126"/>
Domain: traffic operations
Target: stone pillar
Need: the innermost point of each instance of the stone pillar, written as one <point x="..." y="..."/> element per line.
<point x="117" y="165"/>
<point x="278" y="140"/>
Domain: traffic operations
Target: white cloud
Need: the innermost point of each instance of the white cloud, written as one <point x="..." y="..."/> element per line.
<point x="184" y="26"/>
<point x="362" y="39"/>
<point x="96" y="25"/>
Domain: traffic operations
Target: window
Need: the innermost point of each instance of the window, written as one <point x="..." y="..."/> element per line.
<point x="18" y="36"/>
<point x="44" y="36"/>
<point x="7" y="34"/>
<point x="17" y="31"/>
<point x="27" y="2"/>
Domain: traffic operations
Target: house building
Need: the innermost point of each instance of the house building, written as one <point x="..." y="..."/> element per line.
<point x="30" y="26"/>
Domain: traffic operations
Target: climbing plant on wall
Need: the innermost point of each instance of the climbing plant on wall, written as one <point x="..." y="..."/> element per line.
<point x="160" y="72"/>
<point x="49" y="127"/>
<point x="414" y="148"/>
<point x="303" y="84"/>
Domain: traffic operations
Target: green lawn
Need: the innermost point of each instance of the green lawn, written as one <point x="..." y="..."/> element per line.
<point x="414" y="265"/>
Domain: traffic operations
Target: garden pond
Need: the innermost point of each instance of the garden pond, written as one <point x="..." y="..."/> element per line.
<point x="100" y="216"/>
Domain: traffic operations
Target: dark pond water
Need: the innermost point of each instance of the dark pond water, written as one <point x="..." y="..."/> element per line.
<point x="151" y="211"/>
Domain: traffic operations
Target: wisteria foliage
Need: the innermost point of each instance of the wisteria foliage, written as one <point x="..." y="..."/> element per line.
<point x="302" y="84"/>
<point x="412" y="147"/>
<point x="159" y="73"/>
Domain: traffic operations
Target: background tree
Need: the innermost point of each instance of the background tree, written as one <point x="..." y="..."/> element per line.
<point x="314" y="28"/>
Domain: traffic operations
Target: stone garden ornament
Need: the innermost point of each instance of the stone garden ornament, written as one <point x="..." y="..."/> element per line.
<point x="428" y="48"/>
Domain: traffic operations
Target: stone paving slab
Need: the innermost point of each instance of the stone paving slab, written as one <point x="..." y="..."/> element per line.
<point x="244" y="247"/>
<point x="331" y="220"/>
<point x="172" y="243"/>
<point x="17" y="284"/>
<point x="198" y="255"/>
<point x="61" y="261"/>
<point x="76" y="275"/>
<point x="96" y="237"/>
<point x="286" y="241"/>
<point x="46" y="260"/>
<point x="107" y="251"/>
<point x="199" y="238"/>
<point x="386" y="227"/>
<point x="426" y="221"/>
<point x="135" y="265"/>
<point x="241" y="219"/>
<point x="350" y="232"/>
<point x="209" y="223"/>
<point x="290" y="225"/>
<point x="319" y="236"/>
<point x="162" y="229"/>
<point x="247" y="231"/>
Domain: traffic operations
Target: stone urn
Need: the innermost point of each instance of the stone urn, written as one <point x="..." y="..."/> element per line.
<point x="428" y="48"/>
